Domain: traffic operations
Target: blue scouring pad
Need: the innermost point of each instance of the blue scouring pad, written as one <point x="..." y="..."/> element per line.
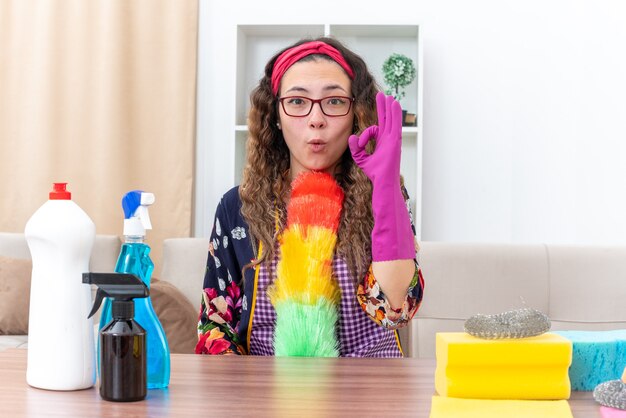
<point x="598" y="356"/>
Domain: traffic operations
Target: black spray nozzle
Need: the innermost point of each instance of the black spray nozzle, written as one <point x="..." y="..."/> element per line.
<point x="117" y="286"/>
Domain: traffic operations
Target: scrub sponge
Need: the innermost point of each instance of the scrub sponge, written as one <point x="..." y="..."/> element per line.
<point x="528" y="368"/>
<point x="598" y="356"/>
<point x="443" y="407"/>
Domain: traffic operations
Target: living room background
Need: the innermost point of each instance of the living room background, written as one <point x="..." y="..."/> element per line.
<point x="523" y="133"/>
<point x="523" y="111"/>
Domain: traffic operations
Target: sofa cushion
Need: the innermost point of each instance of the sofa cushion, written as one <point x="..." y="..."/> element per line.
<point x="587" y="286"/>
<point x="184" y="265"/>
<point x="465" y="279"/>
<point x="14" y="295"/>
<point x="177" y="315"/>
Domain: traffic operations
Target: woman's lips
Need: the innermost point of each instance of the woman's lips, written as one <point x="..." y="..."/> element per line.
<point x="316" y="145"/>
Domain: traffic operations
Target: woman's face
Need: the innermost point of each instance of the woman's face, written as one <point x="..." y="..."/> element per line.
<point x="316" y="141"/>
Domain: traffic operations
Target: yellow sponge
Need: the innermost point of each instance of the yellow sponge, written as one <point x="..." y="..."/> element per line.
<point x="526" y="368"/>
<point x="443" y="407"/>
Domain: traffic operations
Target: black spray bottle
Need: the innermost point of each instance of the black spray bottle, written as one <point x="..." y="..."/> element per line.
<point x="122" y="341"/>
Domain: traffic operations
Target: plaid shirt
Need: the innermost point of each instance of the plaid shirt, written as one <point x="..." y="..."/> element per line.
<point x="359" y="336"/>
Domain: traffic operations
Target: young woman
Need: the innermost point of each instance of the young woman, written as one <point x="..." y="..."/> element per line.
<point x="316" y="118"/>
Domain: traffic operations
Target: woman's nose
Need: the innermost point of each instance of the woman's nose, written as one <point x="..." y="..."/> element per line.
<point x="317" y="119"/>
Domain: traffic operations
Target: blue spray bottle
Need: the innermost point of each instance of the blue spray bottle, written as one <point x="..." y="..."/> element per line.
<point x="134" y="259"/>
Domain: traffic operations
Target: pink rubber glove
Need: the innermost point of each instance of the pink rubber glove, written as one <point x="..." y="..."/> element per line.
<point x="392" y="236"/>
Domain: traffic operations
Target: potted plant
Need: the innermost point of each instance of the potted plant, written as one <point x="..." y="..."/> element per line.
<point x="398" y="72"/>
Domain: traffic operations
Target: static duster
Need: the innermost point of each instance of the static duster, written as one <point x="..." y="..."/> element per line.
<point x="305" y="294"/>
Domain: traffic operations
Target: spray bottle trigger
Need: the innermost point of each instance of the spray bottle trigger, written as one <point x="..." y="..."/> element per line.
<point x="144" y="216"/>
<point x="96" y="304"/>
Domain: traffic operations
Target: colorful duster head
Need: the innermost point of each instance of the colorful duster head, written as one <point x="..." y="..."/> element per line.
<point x="316" y="200"/>
<point x="305" y="294"/>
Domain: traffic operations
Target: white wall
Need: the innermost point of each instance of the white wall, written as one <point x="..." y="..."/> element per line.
<point x="524" y="112"/>
<point x="525" y="122"/>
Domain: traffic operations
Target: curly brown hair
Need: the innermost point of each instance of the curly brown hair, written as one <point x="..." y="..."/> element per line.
<point x="265" y="182"/>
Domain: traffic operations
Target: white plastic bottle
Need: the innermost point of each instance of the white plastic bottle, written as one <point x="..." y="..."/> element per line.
<point x="61" y="349"/>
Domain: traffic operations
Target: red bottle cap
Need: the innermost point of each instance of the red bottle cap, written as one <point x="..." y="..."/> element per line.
<point x="59" y="193"/>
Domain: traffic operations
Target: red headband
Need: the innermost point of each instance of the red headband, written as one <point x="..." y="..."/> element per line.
<point x="293" y="55"/>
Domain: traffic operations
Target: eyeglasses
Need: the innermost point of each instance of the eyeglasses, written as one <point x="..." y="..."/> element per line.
<point x="298" y="106"/>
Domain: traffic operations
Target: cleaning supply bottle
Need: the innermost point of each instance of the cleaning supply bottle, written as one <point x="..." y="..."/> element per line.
<point x="134" y="259"/>
<point x="61" y="352"/>
<point x="122" y="341"/>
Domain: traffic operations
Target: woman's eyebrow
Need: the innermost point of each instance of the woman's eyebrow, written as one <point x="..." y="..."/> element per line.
<point x="297" y="88"/>
<point x="325" y="88"/>
<point x="334" y="87"/>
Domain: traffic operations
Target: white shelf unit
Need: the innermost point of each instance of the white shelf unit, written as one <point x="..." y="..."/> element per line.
<point x="256" y="44"/>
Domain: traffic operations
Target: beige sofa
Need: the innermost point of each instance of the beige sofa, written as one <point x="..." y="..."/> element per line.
<point x="184" y="262"/>
<point x="582" y="288"/>
<point x="103" y="257"/>
<point x="579" y="288"/>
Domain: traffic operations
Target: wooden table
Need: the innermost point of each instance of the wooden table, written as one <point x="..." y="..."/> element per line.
<point x="206" y="386"/>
